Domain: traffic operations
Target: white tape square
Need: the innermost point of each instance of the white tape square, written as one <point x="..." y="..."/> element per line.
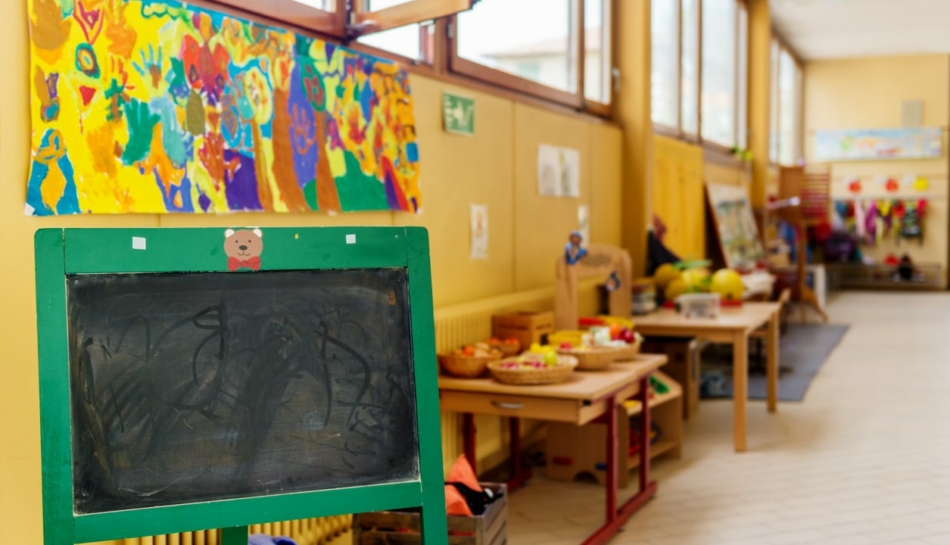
<point x="138" y="243"/>
<point x="351" y="239"/>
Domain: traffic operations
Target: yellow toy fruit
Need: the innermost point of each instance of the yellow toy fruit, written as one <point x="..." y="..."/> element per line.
<point x="675" y="288"/>
<point x="696" y="280"/>
<point x="664" y="275"/>
<point x="728" y="284"/>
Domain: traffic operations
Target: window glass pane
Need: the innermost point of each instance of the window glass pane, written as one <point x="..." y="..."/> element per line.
<point x="719" y="72"/>
<point x="664" y="79"/>
<point x="788" y="109"/>
<point x="597" y="51"/>
<point x="376" y="5"/>
<point x="689" y="86"/>
<point x="773" y="112"/>
<point x="528" y="38"/>
<point x="742" y="136"/>
<point x="405" y="41"/>
<point x="325" y="5"/>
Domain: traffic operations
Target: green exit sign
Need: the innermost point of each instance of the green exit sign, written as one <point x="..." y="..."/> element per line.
<point x="458" y="114"/>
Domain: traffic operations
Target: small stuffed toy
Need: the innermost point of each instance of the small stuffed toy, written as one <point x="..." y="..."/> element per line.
<point x="573" y="251"/>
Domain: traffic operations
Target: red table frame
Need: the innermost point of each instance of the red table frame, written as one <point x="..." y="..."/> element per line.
<point x="615" y="517"/>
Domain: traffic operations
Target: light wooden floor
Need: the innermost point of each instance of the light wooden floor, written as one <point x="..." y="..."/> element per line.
<point x="865" y="459"/>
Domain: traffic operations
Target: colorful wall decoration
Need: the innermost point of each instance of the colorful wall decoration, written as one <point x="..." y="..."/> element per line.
<point x="871" y="144"/>
<point x="154" y="106"/>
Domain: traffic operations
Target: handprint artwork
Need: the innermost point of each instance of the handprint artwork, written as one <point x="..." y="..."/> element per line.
<point x="155" y="106"/>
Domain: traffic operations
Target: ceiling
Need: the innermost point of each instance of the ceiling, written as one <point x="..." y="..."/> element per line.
<point x="831" y="29"/>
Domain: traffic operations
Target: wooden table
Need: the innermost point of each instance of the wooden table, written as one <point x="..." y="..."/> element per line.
<point x="584" y="397"/>
<point x="733" y="326"/>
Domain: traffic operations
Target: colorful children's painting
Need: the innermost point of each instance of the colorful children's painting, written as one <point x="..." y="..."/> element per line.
<point x="154" y="106"/>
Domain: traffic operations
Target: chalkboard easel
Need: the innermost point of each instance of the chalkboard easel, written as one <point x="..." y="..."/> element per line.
<point x="205" y="378"/>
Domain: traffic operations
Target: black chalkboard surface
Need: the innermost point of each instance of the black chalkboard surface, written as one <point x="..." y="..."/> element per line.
<point x="192" y="387"/>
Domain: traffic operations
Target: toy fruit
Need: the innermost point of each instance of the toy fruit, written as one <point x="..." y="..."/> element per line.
<point x="615" y="331"/>
<point x="728" y="284"/>
<point x="676" y="288"/>
<point x="550" y="359"/>
<point x="664" y="275"/>
<point x="566" y="346"/>
<point x="468" y="350"/>
<point x="697" y="280"/>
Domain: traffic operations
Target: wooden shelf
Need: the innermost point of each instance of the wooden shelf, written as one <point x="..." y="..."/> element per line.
<point x="676" y="391"/>
<point x="659" y="448"/>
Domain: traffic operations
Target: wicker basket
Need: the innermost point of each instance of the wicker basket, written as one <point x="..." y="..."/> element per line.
<point x="600" y="357"/>
<point x="507" y="350"/>
<point x="459" y="365"/>
<point x="528" y="375"/>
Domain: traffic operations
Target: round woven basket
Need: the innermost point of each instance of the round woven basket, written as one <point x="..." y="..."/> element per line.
<point x="507" y="350"/>
<point x="531" y="376"/>
<point x="628" y="352"/>
<point x="462" y="366"/>
<point x="600" y="357"/>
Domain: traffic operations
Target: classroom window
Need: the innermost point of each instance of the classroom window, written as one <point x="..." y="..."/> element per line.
<point x="494" y="36"/>
<point x="325" y="5"/>
<point x="412" y="42"/>
<point x="773" y="98"/>
<point x="665" y="76"/>
<point x="699" y="80"/>
<point x="719" y="72"/>
<point x="597" y="51"/>
<point x="742" y="91"/>
<point x="786" y="110"/>
<point x="538" y="47"/>
<point x="689" y="57"/>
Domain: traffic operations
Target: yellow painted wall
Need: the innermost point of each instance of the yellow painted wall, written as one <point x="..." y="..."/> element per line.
<point x="496" y="167"/>
<point x="867" y="93"/>
<point x="678" y="195"/>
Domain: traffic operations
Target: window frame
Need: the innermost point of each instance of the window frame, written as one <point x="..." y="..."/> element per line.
<point x="331" y="23"/>
<point x="576" y="100"/>
<point x="366" y="21"/>
<point x="438" y="64"/>
<point x="697" y="138"/>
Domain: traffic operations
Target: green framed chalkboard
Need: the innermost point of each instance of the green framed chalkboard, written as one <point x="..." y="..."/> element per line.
<point x="209" y="378"/>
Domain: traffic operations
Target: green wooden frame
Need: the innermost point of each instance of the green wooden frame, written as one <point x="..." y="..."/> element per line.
<point x="99" y="251"/>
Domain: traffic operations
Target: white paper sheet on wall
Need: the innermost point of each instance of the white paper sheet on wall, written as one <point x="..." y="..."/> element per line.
<point x="479" y="222"/>
<point x="559" y="171"/>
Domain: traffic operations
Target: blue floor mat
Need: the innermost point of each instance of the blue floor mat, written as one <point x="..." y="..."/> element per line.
<point x="803" y="349"/>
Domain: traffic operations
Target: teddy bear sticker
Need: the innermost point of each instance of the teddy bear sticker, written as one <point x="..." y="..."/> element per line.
<point x="243" y="248"/>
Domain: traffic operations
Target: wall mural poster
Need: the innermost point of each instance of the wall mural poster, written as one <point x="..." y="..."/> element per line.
<point x="870" y="144"/>
<point x="154" y="106"/>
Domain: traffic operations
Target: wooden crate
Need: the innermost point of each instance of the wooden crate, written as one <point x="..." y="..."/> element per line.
<point x="402" y="527"/>
<point x="527" y="327"/>
<point x="577" y="450"/>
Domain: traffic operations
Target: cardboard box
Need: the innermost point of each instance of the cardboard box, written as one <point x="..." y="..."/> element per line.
<point x="402" y="527"/>
<point x="527" y="327"/>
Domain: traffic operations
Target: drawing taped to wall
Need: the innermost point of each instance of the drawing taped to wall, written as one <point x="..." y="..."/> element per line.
<point x="870" y="144"/>
<point x="155" y="106"/>
<point x="479" y="219"/>
<point x="559" y="172"/>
